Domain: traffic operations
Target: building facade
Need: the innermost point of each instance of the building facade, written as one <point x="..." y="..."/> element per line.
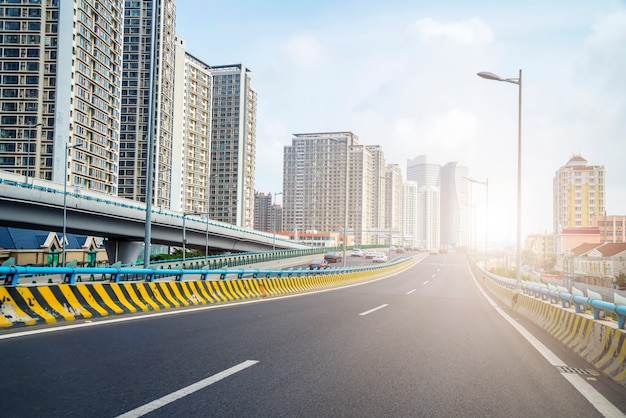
<point x="454" y="205"/>
<point x="60" y="91"/>
<point x="612" y="228"/>
<point x="147" y="100"/>
<point x="578" y="194"/>
<point x="191" y="150"/>
<point x="233" y="146"/>
<point x="315" y="182"/>
<point x="409" y="216"/>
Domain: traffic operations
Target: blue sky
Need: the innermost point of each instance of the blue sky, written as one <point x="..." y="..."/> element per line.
<point x="402" y="74"/>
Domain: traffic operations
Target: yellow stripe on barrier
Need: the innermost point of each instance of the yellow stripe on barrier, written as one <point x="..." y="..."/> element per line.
<point x="619" y="361"/>
<point x="145" y="296"/>
<point x="189" y="297"/>
<point x="616" y="341"/>
<point x="26" y="294"/>
<point x="224" y="291"/>
<point x="54" y="304"/>
<point x="241" y="288"/>
<point x="195" y="293"/>
<point x="10" y="309"/>
<point x="205" y="290"/>
<point x="164" y="286"/>
<point x="83" y="289"/>
<point x="74" y="303"/>
<point x="179" y="296"/>
<point x="99" y="288"/>
<point x="121" y="298"/>
<point x="231" y="290"/>
<point x="154" y="288"/>
<point x="133" y="296"/>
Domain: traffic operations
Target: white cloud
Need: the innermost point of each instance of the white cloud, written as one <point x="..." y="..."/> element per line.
<point x="304" y="51"/>
<point x="467" y="32"/>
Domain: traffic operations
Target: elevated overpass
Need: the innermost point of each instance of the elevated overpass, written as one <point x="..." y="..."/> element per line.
<point x="39" y="204"/>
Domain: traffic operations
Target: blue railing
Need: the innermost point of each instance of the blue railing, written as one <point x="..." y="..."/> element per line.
<point x="71" y="275"/>
<point x="558" y="294"/>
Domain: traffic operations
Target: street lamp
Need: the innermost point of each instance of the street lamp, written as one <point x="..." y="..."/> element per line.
<point x="486" y="183"/>
<point x="185" y="232"/>
<point x="518" y="255"/>
<point x="28" y="152"/>
<point x="273" y="212"/>
<point x="67" y="149"/>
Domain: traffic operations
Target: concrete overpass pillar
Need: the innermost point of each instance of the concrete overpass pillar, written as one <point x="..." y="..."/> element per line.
<point x="125" y="252"/>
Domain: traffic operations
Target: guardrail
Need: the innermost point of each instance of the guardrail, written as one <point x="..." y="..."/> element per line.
<point x="598" y="339"/>
<point x="71" y="275"/>
<point x="10" y="274"/>
<point x="559" y="294"/>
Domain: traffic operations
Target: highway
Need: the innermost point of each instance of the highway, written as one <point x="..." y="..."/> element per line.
<point x="423" y="343"/>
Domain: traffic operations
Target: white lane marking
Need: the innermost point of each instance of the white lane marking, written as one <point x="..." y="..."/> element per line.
<point x="374" y="310"/>
<point x="602" y="404"/>
<point x="594" y="397"/>
<point x="434" y="275"/>
<point x="410" y="291"/>
<point x="174" y="396"/>
<point x="425" y="283"/>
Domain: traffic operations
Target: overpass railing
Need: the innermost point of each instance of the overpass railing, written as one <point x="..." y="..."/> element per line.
<point x="72" y="275"/>
<point x="558" y="294"/>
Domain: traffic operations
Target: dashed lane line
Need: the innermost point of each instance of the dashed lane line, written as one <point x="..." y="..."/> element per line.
<point x="174" y="396"/>
<point x="373" y="310"/>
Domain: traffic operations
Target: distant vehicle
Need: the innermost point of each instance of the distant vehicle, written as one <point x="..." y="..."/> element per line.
<point x="370" y="254"/>
<point x="434" y="251"/>
<point x="357" y="253"/>
<point x="333" y="257"/>
<point x="318" y="265"/>
<point x="400" y="250"/>
<point x="380" y="258"/>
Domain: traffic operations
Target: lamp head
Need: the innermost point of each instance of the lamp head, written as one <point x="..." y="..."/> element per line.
<point x="489" y="76"/>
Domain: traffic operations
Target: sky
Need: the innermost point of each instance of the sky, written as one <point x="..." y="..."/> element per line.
<point x="402" y="74"/>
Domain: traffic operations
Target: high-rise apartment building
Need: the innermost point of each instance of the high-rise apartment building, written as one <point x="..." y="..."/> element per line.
<point x="191" y="150"/>
<point x="376" y="215"/>
<point x="449" y="184"/>
<point x="233" y="146"/>
<point x="425" y="171"/>
<point x="147" y="99"/>
<point x="60" y="91"/>
<point x="394" y="202"/>
<point x="578" y="194"/>
<point x="454" y="205"/>
<point x="314" y="181"/>
<point x="409" y="216"/>
<point x="263" y="212"/>
<point x="428" y="218"/>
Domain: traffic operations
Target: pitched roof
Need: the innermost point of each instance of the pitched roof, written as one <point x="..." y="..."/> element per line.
<point x="32" y="239"/>
<point x="610" y="249"/>
<point x="583" y="249"/>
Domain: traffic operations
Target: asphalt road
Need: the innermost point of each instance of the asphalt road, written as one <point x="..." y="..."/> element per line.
<point x="425" y="342"/>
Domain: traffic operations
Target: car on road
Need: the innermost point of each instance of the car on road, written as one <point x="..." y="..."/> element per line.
<point x="333" y="257"/>
<point x="370" y="254"/>
<point x="318" y="265"/>
<point x="357" y="252"/>
<point x="380" y="258"/>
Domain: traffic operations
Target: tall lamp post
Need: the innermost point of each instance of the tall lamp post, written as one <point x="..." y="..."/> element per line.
<point x="67" y="150"/>
<point x="518" y="254"/>
<point x="185" y="232"/>
<point x="486" y="183"/>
